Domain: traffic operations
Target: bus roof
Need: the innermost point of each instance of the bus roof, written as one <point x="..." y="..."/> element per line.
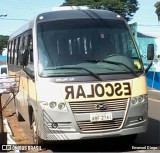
<point x="77" y="13"/>
<point x="29" y="25"/>
<point x="67" y="12"/>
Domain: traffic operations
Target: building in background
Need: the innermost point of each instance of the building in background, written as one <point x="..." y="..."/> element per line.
<point x="153" y="75"/>
<point x="3" y="63"/>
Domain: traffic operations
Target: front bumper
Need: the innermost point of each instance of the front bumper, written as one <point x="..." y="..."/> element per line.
<point x="134" y="121"/>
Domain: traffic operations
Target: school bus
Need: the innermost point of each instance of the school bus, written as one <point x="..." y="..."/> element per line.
<point x="81" y="76"/>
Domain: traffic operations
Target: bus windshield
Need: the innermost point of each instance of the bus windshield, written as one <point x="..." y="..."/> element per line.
<point x="70" y="47"/>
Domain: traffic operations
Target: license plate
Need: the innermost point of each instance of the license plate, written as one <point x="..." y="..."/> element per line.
<point x="97" y="117"/>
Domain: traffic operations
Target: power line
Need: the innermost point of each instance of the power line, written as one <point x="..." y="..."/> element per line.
<point x="145" y="25"/>
<point x="14" y="19"/>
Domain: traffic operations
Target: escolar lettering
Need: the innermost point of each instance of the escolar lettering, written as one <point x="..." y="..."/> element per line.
<point x="98" y="90"/>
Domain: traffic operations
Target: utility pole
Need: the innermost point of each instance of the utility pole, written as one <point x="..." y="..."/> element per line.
<point x="1" y="116"/>
<point x="3" y="135"/>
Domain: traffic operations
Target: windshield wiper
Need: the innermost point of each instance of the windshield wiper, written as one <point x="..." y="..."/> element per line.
<point x="79" y="68"/>
<point x="115" y="63"/>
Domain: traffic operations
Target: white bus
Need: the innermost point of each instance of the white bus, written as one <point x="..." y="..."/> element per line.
<point x="81" y="76"/>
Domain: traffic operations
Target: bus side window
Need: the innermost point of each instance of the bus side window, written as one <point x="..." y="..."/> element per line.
<point x="13" y="51"/>
<point x="17" y="51"/>
<point x="9" y="52"/>
<point x="30" y="49"/>
<point x="21" y="46"/>
<point x="21" y="49"/>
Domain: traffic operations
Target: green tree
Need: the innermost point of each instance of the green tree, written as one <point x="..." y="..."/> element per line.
<point x="3" y="42"/>
<point x="126" y="8"/>
<point x="157" y="6"/>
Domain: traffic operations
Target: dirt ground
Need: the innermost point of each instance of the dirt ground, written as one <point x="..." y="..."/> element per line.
<point x="18" y="133"/>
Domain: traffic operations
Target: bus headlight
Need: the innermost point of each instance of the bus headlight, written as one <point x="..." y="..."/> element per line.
<point x="138" y="100"/>
<point x="61" y="106"/>
<point x="134" y="101"/>
<point x="52" y="104"/>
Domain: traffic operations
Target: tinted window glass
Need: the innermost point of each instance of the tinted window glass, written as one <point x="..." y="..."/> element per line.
<point x="74" y="42"/>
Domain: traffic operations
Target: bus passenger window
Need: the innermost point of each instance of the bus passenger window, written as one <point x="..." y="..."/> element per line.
<point x="31" y="50"/>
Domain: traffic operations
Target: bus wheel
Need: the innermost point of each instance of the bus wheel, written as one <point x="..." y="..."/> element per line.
<point x="36" y="138"/>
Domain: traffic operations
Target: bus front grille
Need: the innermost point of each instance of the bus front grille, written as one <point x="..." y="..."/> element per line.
<point x="86" y="126"/>
<point x="91" y="106"/>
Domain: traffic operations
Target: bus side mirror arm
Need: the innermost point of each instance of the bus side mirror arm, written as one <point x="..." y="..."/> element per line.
<point x="149" y="66"/>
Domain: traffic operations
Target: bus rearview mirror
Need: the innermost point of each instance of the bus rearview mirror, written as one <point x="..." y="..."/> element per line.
<point x="150" y="56"/>
<point x="150" y="52"/>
